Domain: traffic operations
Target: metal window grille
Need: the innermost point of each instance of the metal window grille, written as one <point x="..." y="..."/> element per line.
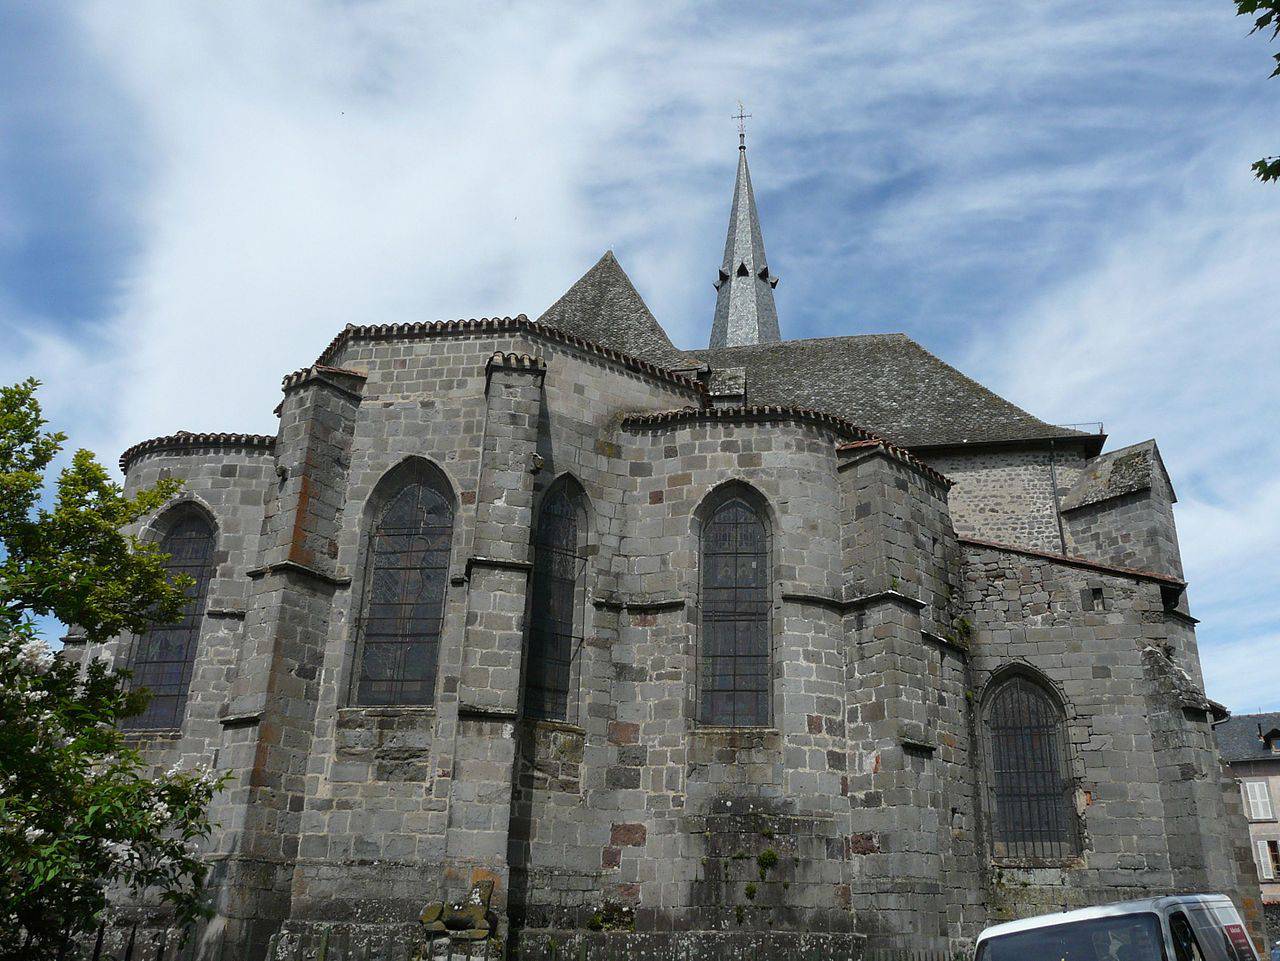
<point x="553" y="638"/>
<point x="1032" y="792"/>
<point x="734" y="682"/>
<point x="163" y="658"/>
<point x="407" y="567"/>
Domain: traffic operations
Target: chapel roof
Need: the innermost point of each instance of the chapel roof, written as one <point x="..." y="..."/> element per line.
<point x="885" y="382"/>
<point x="604" y="307"/>
<point x="1238" y="737"/>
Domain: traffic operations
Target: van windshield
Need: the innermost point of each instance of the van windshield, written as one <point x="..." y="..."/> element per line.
<point x="1127" y="937"/>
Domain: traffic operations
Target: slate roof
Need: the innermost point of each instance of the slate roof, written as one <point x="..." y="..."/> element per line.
<point x="1124" y="471"/>
<point x="1238" y="737"/>
<point x="603" y="306"/>
<point x="886" y="383"/>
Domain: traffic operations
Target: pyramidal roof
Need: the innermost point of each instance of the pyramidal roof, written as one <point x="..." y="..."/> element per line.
<point x="603" y="306"/>
<point x="745" y="312"/>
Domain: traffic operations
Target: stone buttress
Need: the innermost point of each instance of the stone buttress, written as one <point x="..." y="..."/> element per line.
<point x="269" y="714"/>
<point x="481" y="784"/>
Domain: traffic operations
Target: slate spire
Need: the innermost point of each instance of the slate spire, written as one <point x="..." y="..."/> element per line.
<point x="745" y="312"/>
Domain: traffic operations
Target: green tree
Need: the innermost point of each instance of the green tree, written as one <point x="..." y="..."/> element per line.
<point x="80" y="812"/>
<point x="1266" y="16"/>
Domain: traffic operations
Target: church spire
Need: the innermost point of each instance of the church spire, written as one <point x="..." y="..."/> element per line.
<point x="745" y="312"/>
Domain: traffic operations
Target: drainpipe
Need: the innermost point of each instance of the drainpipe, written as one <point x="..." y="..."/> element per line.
<point x="1057" y="501"/>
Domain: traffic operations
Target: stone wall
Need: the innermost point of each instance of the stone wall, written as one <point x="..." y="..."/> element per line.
<point x="232" y="485"/>
<point x="1136" y="530"/>
<point x="1148" y="789"/>
<point x="1008" y="494"/>
<point x="853" y="819"/>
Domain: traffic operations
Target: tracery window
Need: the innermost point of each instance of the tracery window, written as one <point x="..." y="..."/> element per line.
<point x="406" y="568"/>
<point x="735" y="624"/>
<point x="1031" y="787"/>
<point x="163" y="658"/>
<point x="555" y="637"/>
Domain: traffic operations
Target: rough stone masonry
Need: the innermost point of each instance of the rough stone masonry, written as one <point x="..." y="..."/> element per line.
<point x="809" y="646"/>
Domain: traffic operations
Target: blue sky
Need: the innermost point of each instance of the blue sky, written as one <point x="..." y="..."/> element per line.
<point x="1055" y="197"/>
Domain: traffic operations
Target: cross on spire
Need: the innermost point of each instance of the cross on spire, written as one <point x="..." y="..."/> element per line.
<point x="742" y="118"/>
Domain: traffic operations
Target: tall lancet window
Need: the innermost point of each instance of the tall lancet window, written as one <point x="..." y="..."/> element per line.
<point x="1033" y="817"/>
<point x="163" y="658"/>
<point x="735" y="638"/>
<point x="406" y="568"/>
<point x="555" y="634"/>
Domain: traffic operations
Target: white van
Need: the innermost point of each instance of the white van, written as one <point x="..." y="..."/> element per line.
<point x="1188" y="927"/>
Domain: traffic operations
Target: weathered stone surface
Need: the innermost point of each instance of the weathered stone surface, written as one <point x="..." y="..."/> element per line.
<point x="855" y="818"/>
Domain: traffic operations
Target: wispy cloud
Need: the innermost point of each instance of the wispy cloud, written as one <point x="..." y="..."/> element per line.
<point x="1057" y="192"/>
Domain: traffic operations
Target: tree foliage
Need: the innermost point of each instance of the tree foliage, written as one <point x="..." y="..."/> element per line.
<point x="80" y="812"/>
<point x="1266" y="17"/>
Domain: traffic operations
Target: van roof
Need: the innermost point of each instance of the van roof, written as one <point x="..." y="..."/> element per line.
<point x="1101" y="911"/>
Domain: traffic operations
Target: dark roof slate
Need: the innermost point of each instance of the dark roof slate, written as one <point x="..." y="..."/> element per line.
<point x="603" y="306"/>
<point x="887" y="383"/>
<point x="1116" y="473"/>
<point x="1238" y="737"/>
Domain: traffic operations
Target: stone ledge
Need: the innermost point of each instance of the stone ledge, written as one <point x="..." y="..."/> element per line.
<point x="885" y="597"/>
<point x="243" y="710"/>
<point x="639" y="603"/>
<point x="946" y="642"/>
<point x="815" y="600"/>
<point x="293" y="567"/>
<point x="497" y="564"/>
<point x="238" y="613"/>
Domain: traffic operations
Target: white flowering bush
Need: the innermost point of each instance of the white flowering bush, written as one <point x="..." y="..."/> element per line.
<point x="80" y="812"/>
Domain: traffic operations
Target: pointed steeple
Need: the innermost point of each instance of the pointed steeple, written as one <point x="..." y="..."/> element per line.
<point x="745" y="312"/>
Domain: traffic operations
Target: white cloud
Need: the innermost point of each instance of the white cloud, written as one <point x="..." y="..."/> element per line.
<point x="310" y="165"/>
<point x="1173" y="333"/>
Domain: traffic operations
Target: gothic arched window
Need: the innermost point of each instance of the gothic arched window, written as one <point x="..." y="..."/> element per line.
<point x="163" y="657"/>
<point x="406" y="568"/>
<point x="555" y="636"/>
<point x="736" y="637"/>
<point x="1033" y="816"/>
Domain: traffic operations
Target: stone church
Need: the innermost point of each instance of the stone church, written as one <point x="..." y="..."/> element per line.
<point x="807" y="646"/>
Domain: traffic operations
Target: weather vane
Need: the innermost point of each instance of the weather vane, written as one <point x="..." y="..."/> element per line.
<point x="742" y="118"/>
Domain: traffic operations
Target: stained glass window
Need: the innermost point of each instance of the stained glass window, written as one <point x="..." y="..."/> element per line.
<point x="554" y="639"/>
<point x="406" y="572"/>
<point x="163" y="658"/>
<point x="734" y="678"/>
<point x="1031" y="788"/>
